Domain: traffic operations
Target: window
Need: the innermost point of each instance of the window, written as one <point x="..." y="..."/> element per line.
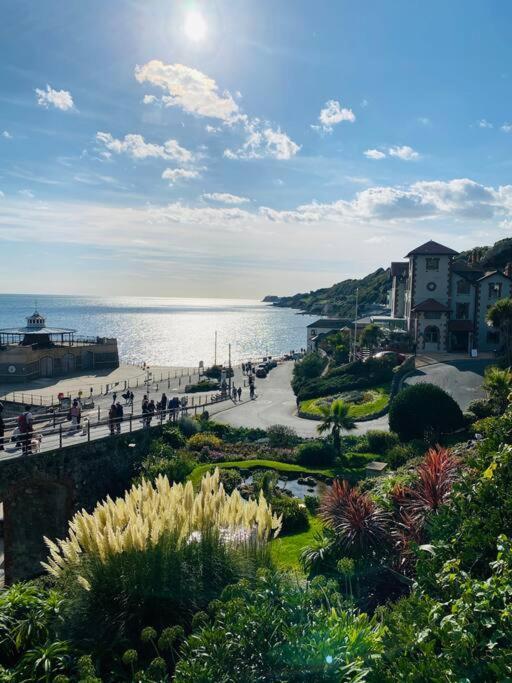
<point x="313" y="332"/>
<point x="463" y="287"/>
<point x="462" y="312"/>
<point x="432" y="263"/>
<point x="493" y="337"/>
<point x="432" y="315"/>
<point x="432" y="335"/>
<point x="494" y="290"/>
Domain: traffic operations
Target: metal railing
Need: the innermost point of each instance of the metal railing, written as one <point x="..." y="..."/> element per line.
<point x="90" y="426"/>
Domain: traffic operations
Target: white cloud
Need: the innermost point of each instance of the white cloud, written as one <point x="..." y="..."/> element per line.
<point x="332" y="114"/>
<point x="174" y="174"/>
<point x="225" y="198"/>
<point x="212" y="129"/>
<point x="264" y="142"/>
<point x="136" y="147"/>
<point x="506" y="127"/>
<point x="2" y="194"/>
<point x="374" y="154"/>
<point x="404" y="152"/>
<point x="189" y="89"/>
<point x="6" y="135"/>
<point x="60" y="99"/>
<point x="483" y="123"/>
<point x="26" y="193"/>
<point x="150" y="99"/>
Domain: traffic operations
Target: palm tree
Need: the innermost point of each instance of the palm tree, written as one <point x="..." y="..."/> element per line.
<point x="498" y="384"/>
<point x="335" y="417"/>
<point x="500" y="317"/>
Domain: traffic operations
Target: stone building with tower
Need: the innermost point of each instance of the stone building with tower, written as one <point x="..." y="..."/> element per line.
<point x="35" y="350"/>
<point x="444" y="300"/>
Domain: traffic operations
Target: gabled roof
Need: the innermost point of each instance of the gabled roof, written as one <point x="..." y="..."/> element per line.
<point x="331" y="323"/>
<point x="398" y="268"/>
<point x="492" y="273"/>
<point x="433" y="248"/>
<point x="430" y="305"/>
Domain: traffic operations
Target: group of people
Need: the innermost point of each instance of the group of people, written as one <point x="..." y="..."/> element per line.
<point x="115" y="416"/>
<point x="165" y="406"/>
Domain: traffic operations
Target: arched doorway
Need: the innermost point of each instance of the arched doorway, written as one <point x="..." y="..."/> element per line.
<point x="32" y="510"/>
<point x="432" y="338"/>
<point x="68" y="363"/>
<point x="46" y="366"/>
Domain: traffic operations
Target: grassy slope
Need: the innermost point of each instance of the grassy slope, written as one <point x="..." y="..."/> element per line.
<point x="357" y="410"/>
<point x="285" y="550"/>
<point x="197" y="472"/>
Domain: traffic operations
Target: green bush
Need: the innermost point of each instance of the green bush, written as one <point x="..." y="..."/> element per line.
<point x="215" y="372"/>
<point x="312" y="503"/>
<point x="280" y="436"/>
<point x="175" y="466"/>
<point x="203" y="385"/>
<point x="294" y="512"/>
<point x="188" y="426"/>
<point x="399" y="455"/>
<point x="481" y="408"/>
<point x="199" y="441"/>
<point x="173" y="437"/>
<point x="424" y="410"/>
<point x="380" y="441"/>
<point x="230" y="478"/>
<point x="309" y="367"/>
<point x="316" y="454"/>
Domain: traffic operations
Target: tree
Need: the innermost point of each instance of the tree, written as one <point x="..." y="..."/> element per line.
<point x="309" y="367"/>
<point x="335" y="418"/>
<point x="370" y="336"/>
<point x="498" y="384"/>
<point x="500" y="317"/>
<point x="423" y="410"/>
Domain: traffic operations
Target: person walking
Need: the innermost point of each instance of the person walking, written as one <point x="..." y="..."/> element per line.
<point x="239" y="392"/>
<point x="151" y="411"/>
<point x="145" y="411"/>
<point x="2" y="427"/>
<point x="25" y="422"/>
<point x="234" y="391"/>
<point x="119" y="417"/>
<point x="112" y="414"/>
<point x="114" y="397"/>
<point x="163" y="405"/>
<point x="251" y="391"/>
<point x="76" y="414"/>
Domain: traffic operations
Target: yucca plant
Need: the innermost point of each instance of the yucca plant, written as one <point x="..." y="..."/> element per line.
<point x="360" y="526"/>
<point x="157" y="555"/>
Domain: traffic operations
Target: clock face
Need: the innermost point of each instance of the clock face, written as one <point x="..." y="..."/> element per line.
<point x="11" y="369"/>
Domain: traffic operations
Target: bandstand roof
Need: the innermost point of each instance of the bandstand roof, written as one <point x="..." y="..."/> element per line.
<point x="37" y="330"/>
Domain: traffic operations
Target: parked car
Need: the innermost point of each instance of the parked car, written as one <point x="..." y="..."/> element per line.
<point x="261" y="371"/>
<point x="398" y="357"/>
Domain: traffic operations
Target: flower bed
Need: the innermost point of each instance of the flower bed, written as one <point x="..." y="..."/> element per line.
<point x="363" y="404"/>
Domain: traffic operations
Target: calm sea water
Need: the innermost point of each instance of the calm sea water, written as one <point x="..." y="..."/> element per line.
<point x="164" y="331"/>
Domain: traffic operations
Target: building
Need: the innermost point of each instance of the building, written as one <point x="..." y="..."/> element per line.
<point x="322" y="327"/>
<point x="444" y="300"/>
<point x="35" y="351"/>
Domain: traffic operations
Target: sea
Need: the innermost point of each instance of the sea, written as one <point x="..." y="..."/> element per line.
<point x="169" y="331"/>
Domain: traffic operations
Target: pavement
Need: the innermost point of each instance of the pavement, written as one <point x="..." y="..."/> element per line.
<point x="462" y="379"/>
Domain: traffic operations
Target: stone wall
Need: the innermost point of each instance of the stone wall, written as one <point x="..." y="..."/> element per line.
<point x="42" y="492"/>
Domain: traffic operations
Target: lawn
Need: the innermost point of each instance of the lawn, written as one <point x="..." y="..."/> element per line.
<point x="285" y="550"/>
<point x="378" y="400"/>
<point x="349" y="472"/>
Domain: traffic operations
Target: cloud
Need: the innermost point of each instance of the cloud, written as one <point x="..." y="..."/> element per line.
<point x="189" y="89"/>
<point x="212" y="129"/>
<point x="6" y="135"/>
<point x="404" y="152"/>
<point x="483" y="123"/>
<point x="1" y="194"/>
<point x="374" y="154"/>
<point x="150" y="99"/>
<point x="506" y="127"/>
<point x="26" y="193"/>
<point x="424" y="120"/>
<point x="332" y="114"/>
<point x="174" y="174"/>
<point x="136" y="147"/>
<point x="60" y="99"/>
<point x="364" y="103"/>
<point x="225" y="198"/>
<point x="264" y="142"/>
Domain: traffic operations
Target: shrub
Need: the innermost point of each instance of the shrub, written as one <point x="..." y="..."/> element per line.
<point x="481" y="407"/>
<point x="294" y="513"/>
<point x="175" y="466"/>
<point x="424" y="410"/>
<point x="173" y="437"/>
<point x="282" y="630"/>
<point x="230" y="478"/>
<point x="203" y="385"/>
<point x="281" y="436"/>
<point x="199" y="441"/>
<point x="156" y="556"/>
<point x="309" y="367"/>
<point x="312" y="503"/>
<point x="215" y="372"/>
<point x="316" y="454"/>
<point x="380" y="441"/>
<point x="188" y="426"/>
<point x="399" y="455"/>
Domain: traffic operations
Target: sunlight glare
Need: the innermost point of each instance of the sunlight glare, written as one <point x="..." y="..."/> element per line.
<point x="195" y="26"/>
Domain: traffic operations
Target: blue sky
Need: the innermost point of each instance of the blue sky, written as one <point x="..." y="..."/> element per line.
<point x="244" y="148"/>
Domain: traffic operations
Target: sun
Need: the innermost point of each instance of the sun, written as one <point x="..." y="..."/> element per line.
<point x="195" y="26"/>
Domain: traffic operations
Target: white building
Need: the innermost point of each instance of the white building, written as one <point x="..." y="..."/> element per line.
<point x="444" y="301"/>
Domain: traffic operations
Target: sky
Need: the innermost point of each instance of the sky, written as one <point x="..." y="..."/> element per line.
<point x="233" y="148"/>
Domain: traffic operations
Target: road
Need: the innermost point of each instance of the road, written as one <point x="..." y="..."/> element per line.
<point x="275" y="404"/>
<point x="462" y="379"/>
